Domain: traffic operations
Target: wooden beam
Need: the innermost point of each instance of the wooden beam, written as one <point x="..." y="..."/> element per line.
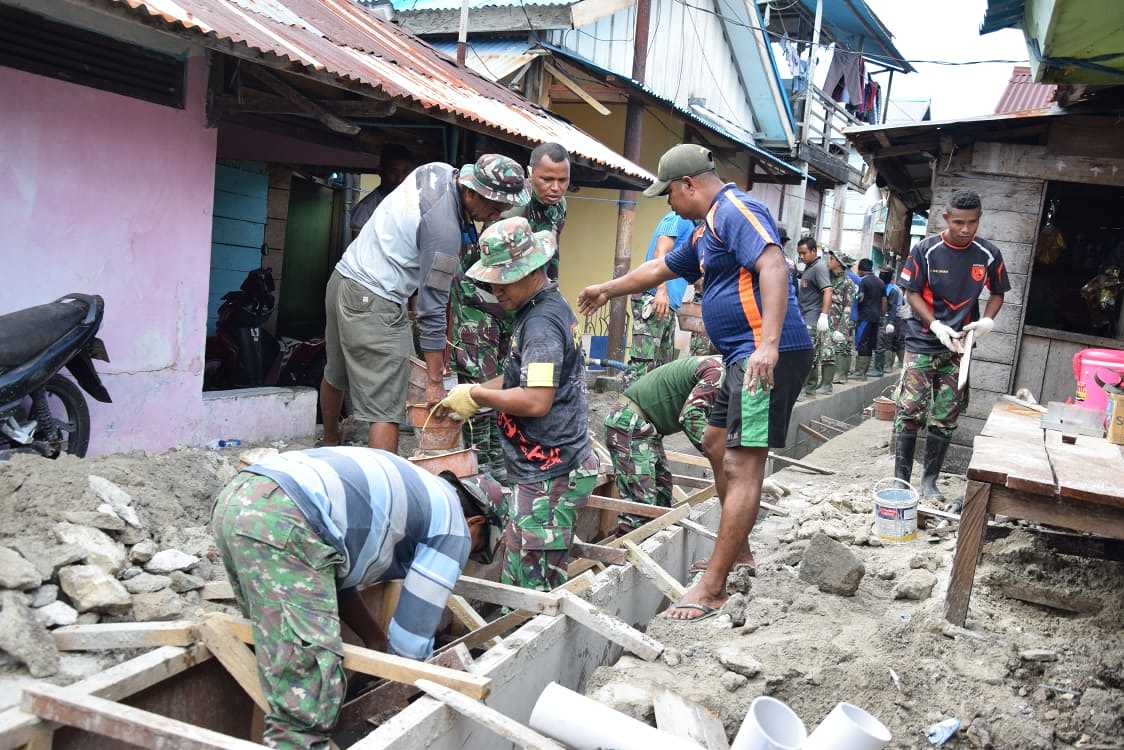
<point x="812" y="432"/>
<point x="104" y="636"/>
<point x="581" y="93"/>
<point x="467" y="616"/>
<point x="625" y="506"/>
<point x="700" y="496"/>
<point x="688" y="458"/>
<point x="378" y="664"/>
<point x="683" y="718"/>
<point x="689" y="481"/>
<point x="799" y="464"/>
<point x="236" y="658"/>
<point x="124" y="723"/>
<point x="599" y="552"/>
<point x="301" y="101"/>
<point x="698" y="528"/>
<point x="611" y="628"/>
<point x="663" y="580"/>
<point x="489" y="718"/>
<point x="478" y="589"/>
<point x="252" y="101"/>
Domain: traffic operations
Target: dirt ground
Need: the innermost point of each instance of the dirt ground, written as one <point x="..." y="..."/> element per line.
<point x="1019" y="676"/>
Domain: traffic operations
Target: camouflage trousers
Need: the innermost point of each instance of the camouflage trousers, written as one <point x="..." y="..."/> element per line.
<point x="284" y="578"/>
<point x="927" y="393"/>
<point x="701" y="345"/>
<point x="823" y="353"/>
<point x="653" y="339"/>
<point x="639" y="461"/>
<point x="540" y="527"/>
<point x="480" y="344"/>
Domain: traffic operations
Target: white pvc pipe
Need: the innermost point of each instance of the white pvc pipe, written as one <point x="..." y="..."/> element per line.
<point x="584" y="724"/>
<point x="848" y="727"/>
<point x="770" y="725"/>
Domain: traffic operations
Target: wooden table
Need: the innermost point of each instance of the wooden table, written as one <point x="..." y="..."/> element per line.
<point x="1022" y="471"/>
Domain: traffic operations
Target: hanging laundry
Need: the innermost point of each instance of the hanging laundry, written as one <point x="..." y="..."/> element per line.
<point x="846" y="69"/>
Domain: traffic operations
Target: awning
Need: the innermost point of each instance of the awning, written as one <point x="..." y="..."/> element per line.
<point x="341" y="42"/>
<point x="853" y="25"/>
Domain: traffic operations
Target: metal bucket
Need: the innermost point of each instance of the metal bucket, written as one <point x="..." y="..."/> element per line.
<point x="895" y="511"/>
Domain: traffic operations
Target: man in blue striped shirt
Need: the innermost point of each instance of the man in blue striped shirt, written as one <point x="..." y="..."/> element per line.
<point x="300" y="532"/>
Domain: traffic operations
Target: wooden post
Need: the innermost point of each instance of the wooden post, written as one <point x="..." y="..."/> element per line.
<point x="462" y="34"/>
<point x="969" y="542"/>
<point x="670" y="587"/>
<point x="612" y="628"/>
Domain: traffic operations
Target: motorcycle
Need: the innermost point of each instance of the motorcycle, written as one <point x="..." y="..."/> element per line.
<point x="42" y="411"/>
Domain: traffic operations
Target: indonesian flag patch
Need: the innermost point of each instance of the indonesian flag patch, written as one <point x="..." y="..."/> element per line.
<point x="907" y="275"/>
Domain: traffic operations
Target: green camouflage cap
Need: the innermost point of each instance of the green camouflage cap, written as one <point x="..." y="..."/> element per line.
<point x="497" y="178"/>
<point x="843" y="258"/>
<point x="509" y="250"/>
<point x="684" y="160"/>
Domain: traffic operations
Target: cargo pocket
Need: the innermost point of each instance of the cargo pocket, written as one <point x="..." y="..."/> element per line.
<point x="305" y="673"/>
<point x="312" y="628"/>
<point x="267" y="528"/>
<point x="441" y="272"/>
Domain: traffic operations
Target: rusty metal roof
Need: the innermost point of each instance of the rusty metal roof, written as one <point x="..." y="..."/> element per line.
<point x="344" y="40"/>
<point x="1023" y="94"/>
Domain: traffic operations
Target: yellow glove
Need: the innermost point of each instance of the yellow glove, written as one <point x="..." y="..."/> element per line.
<point x="460" y="401"/>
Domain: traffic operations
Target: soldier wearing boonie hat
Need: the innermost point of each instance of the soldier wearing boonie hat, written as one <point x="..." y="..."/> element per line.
<point x="839" y="317"/>
<point x="541" y="406"/>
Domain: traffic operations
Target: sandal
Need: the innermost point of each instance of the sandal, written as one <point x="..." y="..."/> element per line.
<point x="705" y="610"/>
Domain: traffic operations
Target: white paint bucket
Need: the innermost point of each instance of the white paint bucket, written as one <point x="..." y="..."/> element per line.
<point x="895" y="510"/>
<point x="848" y="727"/>
<point x="770" y="725"/>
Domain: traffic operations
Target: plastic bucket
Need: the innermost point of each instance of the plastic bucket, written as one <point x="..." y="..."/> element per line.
<point x="1108" y="364"/>
<point x="895" y="510"/>
<point x="770" y="725"/>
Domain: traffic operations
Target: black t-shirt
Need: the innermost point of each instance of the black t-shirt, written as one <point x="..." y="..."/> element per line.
<point x="871" y="291"/>
<point x="546" y="351"/>
<point x="950" y="280"/>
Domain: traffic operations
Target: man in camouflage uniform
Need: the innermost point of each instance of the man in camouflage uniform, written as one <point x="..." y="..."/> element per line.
<point x="676" y="397"/>
<point x="481" y="327"/>
<point x="839" y="317"/>
<point x="296" y="576"/>
<point x="541" y="404"/>
<point x="549" y="176"/>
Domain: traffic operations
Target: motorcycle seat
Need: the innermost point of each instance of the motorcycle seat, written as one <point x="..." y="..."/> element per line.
<point x="26" y="333"/>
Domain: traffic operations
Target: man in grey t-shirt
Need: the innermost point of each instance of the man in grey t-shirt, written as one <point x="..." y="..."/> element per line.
<point x="814" y="294"/>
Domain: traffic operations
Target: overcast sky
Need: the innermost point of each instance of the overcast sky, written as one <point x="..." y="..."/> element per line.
<point x="949" y="30"/>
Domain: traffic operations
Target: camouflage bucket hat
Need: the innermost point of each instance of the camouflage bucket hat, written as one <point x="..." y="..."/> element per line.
<point x="497" y="178"/>
<point x="509" y="250"/>
<point x="488" y="497"/>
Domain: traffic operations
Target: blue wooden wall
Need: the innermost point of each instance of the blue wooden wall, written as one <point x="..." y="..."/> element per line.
<point x="238" y="231"/>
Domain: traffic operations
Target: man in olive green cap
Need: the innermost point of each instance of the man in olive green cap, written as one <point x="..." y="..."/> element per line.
<point x="540" y="400"/>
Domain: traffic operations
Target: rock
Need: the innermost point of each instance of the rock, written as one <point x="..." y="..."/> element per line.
<point x="628" y="698"/>
<point x="735" y="608"/>
<point x="25" y="638"/>
<point x="671" y="657"/>
<point x="55" y="614"/>
<point x="130" y="572"/>
<point x="47" y="559"/>
<point x="732" y="681"/>
<point x="740" y="580"/>
<point x="146" y="583"/>
<point x="89" y="587"/>
<point x="916" y="585"/>
<point x="159" y="605"/>
<point x="809" y="529"/>
<point x="44" y="595"/>
<point x="788" y="538"/>
<point x="194" y="540"/>
<point x="837" y="531"/>
<point x="887" y="574"/>
<point x="930" y="561"/>
<point x="96" y="547"/>
<point x="142" y="552"/>
<point x="116" y="498"/>
<point x="773" y="487"/>
<point x="95" y="518"/>
<point x="16" y="572"/>
<point x="874" y="541"/>
<point x="739" y="660"/>
<point x="976" y="667"/>
<point x="132" y="535"/>
<point x="184" y="582"/>
<point x="1102" y="711"/>
<point x="1038" y="654"/>
<point x="88" y="618"/>
<point x="167" y="560"/>
<point x="205" y="569"/>
<point x="831" y="566"/>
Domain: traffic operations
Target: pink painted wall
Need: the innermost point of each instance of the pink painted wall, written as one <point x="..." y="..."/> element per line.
<point x="104" y="194"/>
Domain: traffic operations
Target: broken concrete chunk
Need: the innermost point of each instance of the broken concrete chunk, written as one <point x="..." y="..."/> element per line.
<point x="96" y="547"/>
<point x="628" y="698"/>
<point x="739" y="660"/>
<point x="732" y="681"/>
<point x="1038" y="654"/>
<point x="831" y="567"/>
<point x="159" y="605"/>
<point x="16" y="572"/>
<point x="916" y="585"/>
<point x="735" y="608"/>
<point x="116" y="498"/>
<point x="89" y="587"/>
<point x="132" y="535"/>
<point x="146" y="583"/>
<point x="25" y="638"/>
<point x="55" y="614"/>
<point x="167" y="560"/>
<point x="97" y="519"/>
<point x="130" y="572"/>
<point x="47" y="559"/>
<point x="671" y="657"/>
<point x="44" y="595"/>
<point x="142" y="552"/>
<point x="930" y="561"/>
<point x="184" y="582"/>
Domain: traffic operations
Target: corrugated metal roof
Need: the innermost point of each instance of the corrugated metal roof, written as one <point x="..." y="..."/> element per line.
<point x="492" y="58"/>
<point x="855" y="26"/>
<point x="411" y="5"/>
<point x="1022" y="93"/>
<point x="344" y="40"/>
<point x="1002" y="14"/>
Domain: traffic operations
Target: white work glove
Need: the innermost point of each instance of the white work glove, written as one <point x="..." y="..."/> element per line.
<point x="982" y="327"/>
<point x="821" y="323"/>
<point x="947" y="336"/>
<point x="839" y="337"/>
<point x="889" y="328"/>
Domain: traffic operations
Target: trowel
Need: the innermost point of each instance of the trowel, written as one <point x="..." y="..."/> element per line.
<point x="966" y="360"/>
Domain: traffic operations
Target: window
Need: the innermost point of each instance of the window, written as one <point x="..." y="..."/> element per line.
<point x="1077" y="278"/>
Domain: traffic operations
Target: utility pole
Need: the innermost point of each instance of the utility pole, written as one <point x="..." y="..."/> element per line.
<point x="626" y="208"/>
<point x="793" y="207"/>
<point x="462" y="34"/>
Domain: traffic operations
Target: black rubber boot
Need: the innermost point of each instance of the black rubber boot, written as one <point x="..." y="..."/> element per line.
<point x="861" y="365"/>
<point x="879" y="364"/>
<point x="826" y="380"/>
<point x="903" y="455"/>
<point x="936" y="448"/>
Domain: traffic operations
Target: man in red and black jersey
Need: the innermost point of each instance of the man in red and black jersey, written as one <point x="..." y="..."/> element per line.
<point x="943" y="280"/>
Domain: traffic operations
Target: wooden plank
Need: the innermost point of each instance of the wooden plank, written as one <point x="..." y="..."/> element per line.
<point x="581" y="93"/>
<point x="786" y="461"/>
<point x="688" y="481"/>
<point x="477" y="589"/>
<point x="236" y="658"/>
<point x="378" y="664"/>
<point x="663" y="580"/>
<point x="1091" y="469"/>
<point x="302" y="102"/>
<point x="489" y="718"/>
<point x="125" y="723"/>
<point x="818" y="436"/>
<point x="1041" y="163"/>
<point x="599" y="552"/>
<point x="104" y="636"/>
<point x="626" y="506"/>
<point x="678" y="493"/>
<point x="701" y="496"/>
<point x="969" y="541"/>
<point x="683" y="718"/>
<point x="467" y="616"/>
<point x="688" y="458"/>
<point x="610" y="627"/>
<point x="1078" y="515"/>
<point x="698" y="528"/>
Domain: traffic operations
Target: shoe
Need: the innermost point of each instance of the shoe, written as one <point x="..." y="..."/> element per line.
<point x="903" y="455"/>
<point x="936" y="448"/>
<point x="826" y="380"/>
<point x="879" y="364"/>
<point x="861" y="366"/>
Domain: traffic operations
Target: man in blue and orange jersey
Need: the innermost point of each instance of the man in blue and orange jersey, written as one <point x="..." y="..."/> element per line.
<point x="751" y="315"/>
